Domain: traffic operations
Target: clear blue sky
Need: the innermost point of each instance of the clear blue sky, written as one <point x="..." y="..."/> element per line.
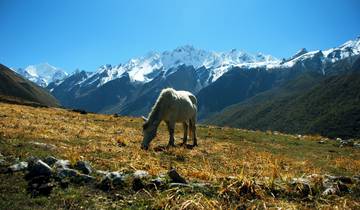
<point x="86" y="34"/>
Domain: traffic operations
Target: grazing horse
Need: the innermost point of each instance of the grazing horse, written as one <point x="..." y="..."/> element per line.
<point x="171" y="106"/>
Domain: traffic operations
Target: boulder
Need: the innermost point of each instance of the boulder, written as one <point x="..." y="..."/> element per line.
<point x="140" y="174"/>
<point x="83" y="166"/>
<point x="175" y="177"/>
<point x="83" y="178"/>
<point x="112" y="180"/>
<point x="50" y="160"/>
<point x="301" y="186"/>
<point x="140" y="179"/>
<point x="38" y="169"/>
<point x="67" y="173"/>
<point x="62" y="164"/>
<point x="18" y="167"/>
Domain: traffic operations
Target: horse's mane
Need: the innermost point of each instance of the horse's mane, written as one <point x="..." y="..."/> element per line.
<point x="161" y="101"/>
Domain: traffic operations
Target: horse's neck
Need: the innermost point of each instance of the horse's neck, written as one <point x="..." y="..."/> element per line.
<point x="155" y="115"/>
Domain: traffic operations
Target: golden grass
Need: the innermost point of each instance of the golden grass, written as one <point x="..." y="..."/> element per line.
<point x="113" y="143"/>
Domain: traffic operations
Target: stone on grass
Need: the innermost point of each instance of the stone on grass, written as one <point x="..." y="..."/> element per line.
<point x="330" y="191"/>
<point x="67" y="173"/>
<point x="158" y="181"/>
<point x="83" y="166"/>
<point x="37" y="169"/>
<point x="175" y="177"/>
<point x="101" y="172"/>
<point x="302" y="186"/>
<point x="141" y="174"/>
<point x="50" y="160"/>
<point x="111" y="180"/>
<point x="83" y="178"/>
<point x="61" y="164"/>
<point x="140" y="179"/>
<point x="18" y="167"/>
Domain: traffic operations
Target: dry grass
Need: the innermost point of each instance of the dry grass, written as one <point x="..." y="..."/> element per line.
<point x="113" y="143"/>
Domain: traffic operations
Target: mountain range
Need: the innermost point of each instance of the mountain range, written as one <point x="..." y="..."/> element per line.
<point x="15" y="89"/>
<point x="42" y="74"/>
<point x="219" y="79"/>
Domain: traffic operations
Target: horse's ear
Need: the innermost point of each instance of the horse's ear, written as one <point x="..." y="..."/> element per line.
<point x="144" y="118"/>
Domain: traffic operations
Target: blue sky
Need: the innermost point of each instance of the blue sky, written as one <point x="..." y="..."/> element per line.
<point x="86" y="34"/>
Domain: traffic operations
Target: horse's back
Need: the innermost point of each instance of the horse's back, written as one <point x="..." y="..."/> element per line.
<point x="181" y="105"/>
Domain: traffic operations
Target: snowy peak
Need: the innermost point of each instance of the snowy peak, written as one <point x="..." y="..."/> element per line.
<point x="301" y="52"/>
<point x="146" y="68"/>
<point x="42" y="74"/>
<point x="332" y="55"/>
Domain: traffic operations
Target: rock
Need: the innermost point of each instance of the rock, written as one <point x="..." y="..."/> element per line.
<point x="50" y="160"/>
<point x="321" y="142"/>
<point x="344" y="179"/>
<point x="347" y="143"/>
<point x="175" y="177"/>
<point x="140" y="178"/>
<point x="67" y="173"/>
<point x="158" y="181"/>
<point x="105" y="184"/>
<point x="112" y="180"/>
<point x="83" y="178"/>
<point x="83" y="166"/>
<point x="100" y="172"/>
<point x="19" y="167"/>
<point x="140" y="174"/>
<point x="37" y="169"/>
<point x="338" y="139"/>
<point x="138" y="184"/>
<point x="302" y="186"/>
<point x="336" y="189"/>
<point x="61" y="164"/>
<point x="330" y="191"/>
<point x="117" y="179"/>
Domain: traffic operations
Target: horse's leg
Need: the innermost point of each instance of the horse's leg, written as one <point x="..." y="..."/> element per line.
<point x="185" y="125"/>
<point x="193" y="131"/>
<point x="171" y="129"/>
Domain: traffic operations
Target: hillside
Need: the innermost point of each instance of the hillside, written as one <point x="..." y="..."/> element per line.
<point x="231" y="168"/>
<point x="329" y="106"/>
<point x="15" y="89"/>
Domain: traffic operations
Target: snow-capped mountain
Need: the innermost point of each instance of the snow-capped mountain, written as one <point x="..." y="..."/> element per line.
<point x="132" y="87"/>
<point x="326" y="57"/>
<point x="145" y="69"/>
<point x="42" y="74"/>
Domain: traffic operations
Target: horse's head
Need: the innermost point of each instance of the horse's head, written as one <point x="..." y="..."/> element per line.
<point x="149" y="133"/>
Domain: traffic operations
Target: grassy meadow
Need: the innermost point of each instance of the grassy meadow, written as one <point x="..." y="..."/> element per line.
<point x="244" y="169"/>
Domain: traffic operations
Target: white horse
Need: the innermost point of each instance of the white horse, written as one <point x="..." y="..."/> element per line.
<point x="171" y="106"/>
